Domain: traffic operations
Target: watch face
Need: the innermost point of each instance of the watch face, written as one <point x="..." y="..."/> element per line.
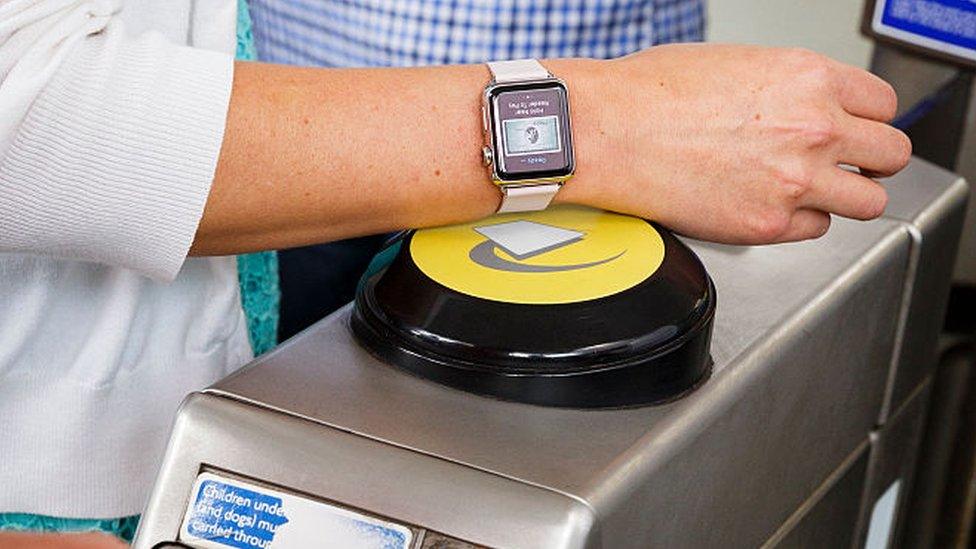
<point x="530" y="131"/>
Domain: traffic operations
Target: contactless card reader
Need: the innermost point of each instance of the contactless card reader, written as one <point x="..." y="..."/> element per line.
<point x="320" y="444"/>
<point x="570" y="307"/>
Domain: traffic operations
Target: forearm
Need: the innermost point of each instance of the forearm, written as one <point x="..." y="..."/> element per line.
<point x="735" y="144"/>
<point x="312" y="155"/>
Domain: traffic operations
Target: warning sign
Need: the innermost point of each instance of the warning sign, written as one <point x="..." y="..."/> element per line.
<point x="229" y="513"/>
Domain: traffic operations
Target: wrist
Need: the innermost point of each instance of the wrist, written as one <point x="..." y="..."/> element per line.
<point x="525" y="97"/>
<point x="585" y="80"/>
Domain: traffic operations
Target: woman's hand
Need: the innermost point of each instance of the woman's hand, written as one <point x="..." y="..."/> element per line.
<point x="736" y="144"/>
<point x="29" y="540"/>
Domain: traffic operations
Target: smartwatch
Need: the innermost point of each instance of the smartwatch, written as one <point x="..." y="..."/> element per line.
<point x="528" y="139"/>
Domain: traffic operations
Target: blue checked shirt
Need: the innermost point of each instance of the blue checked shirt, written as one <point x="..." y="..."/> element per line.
<point x="351" y="33"/>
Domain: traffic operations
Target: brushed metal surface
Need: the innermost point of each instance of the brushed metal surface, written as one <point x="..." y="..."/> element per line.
<point x="829" y="517"/>
<point x="357" y="472"/>
<point x="894" y="454"/>
<point x="943" y="430"/>
<point x="965" y="272"/>
<point x="773" y="424"/>
<point x="931" y="202"/>
<point x="914" y="78"/>
<point x="804" y="340"/>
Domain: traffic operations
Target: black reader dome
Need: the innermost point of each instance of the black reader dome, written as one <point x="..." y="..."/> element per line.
<point x="569" y="306"/>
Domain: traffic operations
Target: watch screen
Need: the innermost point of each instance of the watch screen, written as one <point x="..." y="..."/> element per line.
<point x="531" y="131"/>
<point x="531" y="135"/>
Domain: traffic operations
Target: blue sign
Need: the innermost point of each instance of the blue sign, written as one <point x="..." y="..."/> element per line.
<point x="235" y="516"/>
<point x="224" y="513"/>
<point x="947" y="26"/>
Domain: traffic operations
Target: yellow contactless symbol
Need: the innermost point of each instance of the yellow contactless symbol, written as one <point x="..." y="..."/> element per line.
<point x="560" y="255"/>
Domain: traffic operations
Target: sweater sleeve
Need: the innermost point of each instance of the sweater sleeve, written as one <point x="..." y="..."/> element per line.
<point x="108" y="141"/>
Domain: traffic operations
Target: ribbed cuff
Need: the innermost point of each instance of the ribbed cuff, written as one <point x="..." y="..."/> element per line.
<point x="115" y="160"/>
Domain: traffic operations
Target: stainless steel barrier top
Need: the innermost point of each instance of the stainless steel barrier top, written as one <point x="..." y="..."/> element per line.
<point x="803" y="345"/>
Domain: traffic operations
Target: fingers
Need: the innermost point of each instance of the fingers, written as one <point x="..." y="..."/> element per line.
<point x="806" y="224"/>
<point x="846" y="194"/>
<point x="873" y="146"/>
<point x="865" y="95"/>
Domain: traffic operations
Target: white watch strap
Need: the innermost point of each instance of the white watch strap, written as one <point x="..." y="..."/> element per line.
<point x="517" y="70"/>
<point x="528" y="198"/>
<point x="525" y="198"/>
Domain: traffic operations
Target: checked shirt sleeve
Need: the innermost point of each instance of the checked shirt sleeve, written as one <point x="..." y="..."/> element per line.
<point x="108" y="140"/>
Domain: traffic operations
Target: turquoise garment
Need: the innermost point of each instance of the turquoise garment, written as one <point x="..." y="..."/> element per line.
<point x="380" y="261"/>
<point x="260" y="296"/>
<point x="257" y="273"/>
<point x="124" y="527"/>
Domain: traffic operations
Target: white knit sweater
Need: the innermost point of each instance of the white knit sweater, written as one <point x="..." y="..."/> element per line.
<point x="110" y="128"/>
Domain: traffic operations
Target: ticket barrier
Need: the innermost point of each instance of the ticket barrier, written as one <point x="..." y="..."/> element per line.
<point x="927" y="50"/>
<point x="864" y="500"/>
<point x="798" y="429"/>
